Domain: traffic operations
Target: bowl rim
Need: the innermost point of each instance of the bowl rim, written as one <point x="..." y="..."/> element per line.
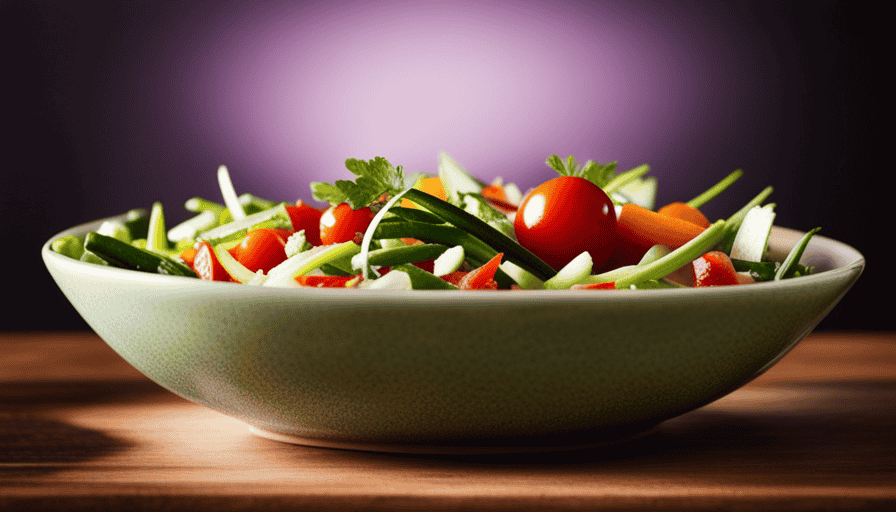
<point x="854" y="268"/>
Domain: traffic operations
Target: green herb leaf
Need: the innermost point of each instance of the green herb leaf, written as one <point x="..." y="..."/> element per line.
<point x="599" y="174"/>
<point x="375" y="178"/>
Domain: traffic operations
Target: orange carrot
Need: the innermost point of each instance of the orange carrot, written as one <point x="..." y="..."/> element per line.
<point x="482" y="278"/>
<point x="686" y="212"/>
<point x="638" y="229"/>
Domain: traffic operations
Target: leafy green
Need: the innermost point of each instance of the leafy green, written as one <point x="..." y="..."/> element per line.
<point x="375" y="178"/>
<point x="599" y="174"/>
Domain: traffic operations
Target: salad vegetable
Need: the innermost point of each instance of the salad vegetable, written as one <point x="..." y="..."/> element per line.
<point x="589" y="228"/>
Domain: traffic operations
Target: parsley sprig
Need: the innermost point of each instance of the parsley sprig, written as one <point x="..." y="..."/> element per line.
<point x="599" y="174"/>
<point x="375" y="178"/>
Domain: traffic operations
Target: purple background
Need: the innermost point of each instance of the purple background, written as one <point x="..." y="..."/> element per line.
<point x="119" y="104"/>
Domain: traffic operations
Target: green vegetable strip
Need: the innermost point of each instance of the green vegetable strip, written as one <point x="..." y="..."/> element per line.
<point x="733" y="222"/>
<point x="71" y="246"/>
<point x="476" y="250"/>
<point x="793" y="257"/>
<point x="199" y="205"/>
<point x="124" y="255"/>
<point x="157" y="236"/>
<point x="481" y="232"/>
<point x="675" y="259"/>
<point x="423" y="280"/>
<point x="715" y="190"/>
<point x="415" y="215"/>
<point x="626" y="177"/>
<point x="407" y="254"/>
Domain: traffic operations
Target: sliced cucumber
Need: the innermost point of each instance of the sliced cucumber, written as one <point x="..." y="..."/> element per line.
<point x="575" y="272"/>
<point x="449" y="261"/>
<point x="525" y="280"/>
<point x="121" y="254"/>
<point x="752" y="237"/>
<point x="456" y="179"/>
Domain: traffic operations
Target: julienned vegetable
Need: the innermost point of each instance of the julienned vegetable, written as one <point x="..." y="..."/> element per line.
<point x="591" y="228"/>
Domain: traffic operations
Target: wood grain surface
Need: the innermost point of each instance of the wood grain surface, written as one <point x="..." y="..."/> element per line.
<point x="82" y="430"/>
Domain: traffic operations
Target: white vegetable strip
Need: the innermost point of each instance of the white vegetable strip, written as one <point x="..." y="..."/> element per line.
<point x="368" y="235"/>
<point x="190" y="227"/>
<point x="229" y="194"/>
<point x="449" y="261"/>
<point x="752" y="237"/>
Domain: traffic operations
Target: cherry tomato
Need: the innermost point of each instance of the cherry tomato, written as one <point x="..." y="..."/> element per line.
<point x="340" y="223"/>
<point x="306" y="217"/>
<point x="565" y="216"/>
<point x="261" y="249"/>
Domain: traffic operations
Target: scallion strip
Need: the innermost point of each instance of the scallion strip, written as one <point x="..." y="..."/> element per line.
<point x="675" y="259"/>
<point x="481" y="231"/>
<point x="793" y="257"/>
<point x="715" y="190"/>
<point x="626" y="177"/>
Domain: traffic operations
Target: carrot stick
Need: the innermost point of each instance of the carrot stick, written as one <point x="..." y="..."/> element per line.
<point x="643" y="227"/>
<point x="686" y="212"/>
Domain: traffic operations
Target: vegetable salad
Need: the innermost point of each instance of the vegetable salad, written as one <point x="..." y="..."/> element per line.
<point x="588" y="227"/>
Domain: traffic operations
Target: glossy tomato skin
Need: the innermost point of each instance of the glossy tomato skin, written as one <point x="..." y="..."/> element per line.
<point x="340" y="223"/>
<point x="261" y="249"/>
<point x="306" y="217"/>
<point x="565" y="216"/>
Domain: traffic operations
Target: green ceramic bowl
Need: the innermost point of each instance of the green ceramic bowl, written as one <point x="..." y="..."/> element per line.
<point x="452" y="372"/>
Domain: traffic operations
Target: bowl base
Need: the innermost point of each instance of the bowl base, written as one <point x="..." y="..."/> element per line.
<point x="451" y="449"/>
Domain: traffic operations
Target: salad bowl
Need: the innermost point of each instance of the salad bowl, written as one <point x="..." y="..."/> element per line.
<point x="452" y="372"/>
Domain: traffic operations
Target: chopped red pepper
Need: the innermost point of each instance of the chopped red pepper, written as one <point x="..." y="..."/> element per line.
<point x="306" y="217"/>
<point x="328" y="281"/>
<point x="207" y="266"/>
<point x="482" y="278"/>
<point x="714" y="269"/>
<point x="594" y="286"/>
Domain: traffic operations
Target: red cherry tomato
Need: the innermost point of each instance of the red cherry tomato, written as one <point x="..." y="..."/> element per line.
<point x="340" y="223"/>
<point x="306" y="217"/>
<point x="261" y="249"/>
<point x="565" y="216"/>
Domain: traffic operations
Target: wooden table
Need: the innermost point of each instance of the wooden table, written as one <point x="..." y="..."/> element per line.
<point x="81" y="430"/>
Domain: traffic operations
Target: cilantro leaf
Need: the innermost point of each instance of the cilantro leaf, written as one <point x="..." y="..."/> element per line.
<point x="375" y="178"/>
<point x="599" y="174"/>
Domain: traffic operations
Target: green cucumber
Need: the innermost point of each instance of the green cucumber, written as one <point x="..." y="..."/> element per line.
<point x="121" y="254"/>
<point x="423" y="280"/>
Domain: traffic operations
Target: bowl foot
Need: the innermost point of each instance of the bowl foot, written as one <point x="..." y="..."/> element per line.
<point x="453" y="449"/>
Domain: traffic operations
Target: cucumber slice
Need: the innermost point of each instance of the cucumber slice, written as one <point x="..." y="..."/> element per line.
<point x="233" y="267"/>
<point x="121" y="254"/>
<point x="456" y="179"/>
<point x="449" y="261"/>
<point x="524" y="279"/>
<point x="392" y="281"/>
<point x="752" y="237"/>
<point x="575" y="272"/>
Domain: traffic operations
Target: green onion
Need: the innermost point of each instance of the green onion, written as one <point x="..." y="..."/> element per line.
<point x="481" y="232"/>
<point x="715" y="190"/>
<point x="675" y="259"/>
<point x="788" y="267"/>
<point x="626" y="177"/>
